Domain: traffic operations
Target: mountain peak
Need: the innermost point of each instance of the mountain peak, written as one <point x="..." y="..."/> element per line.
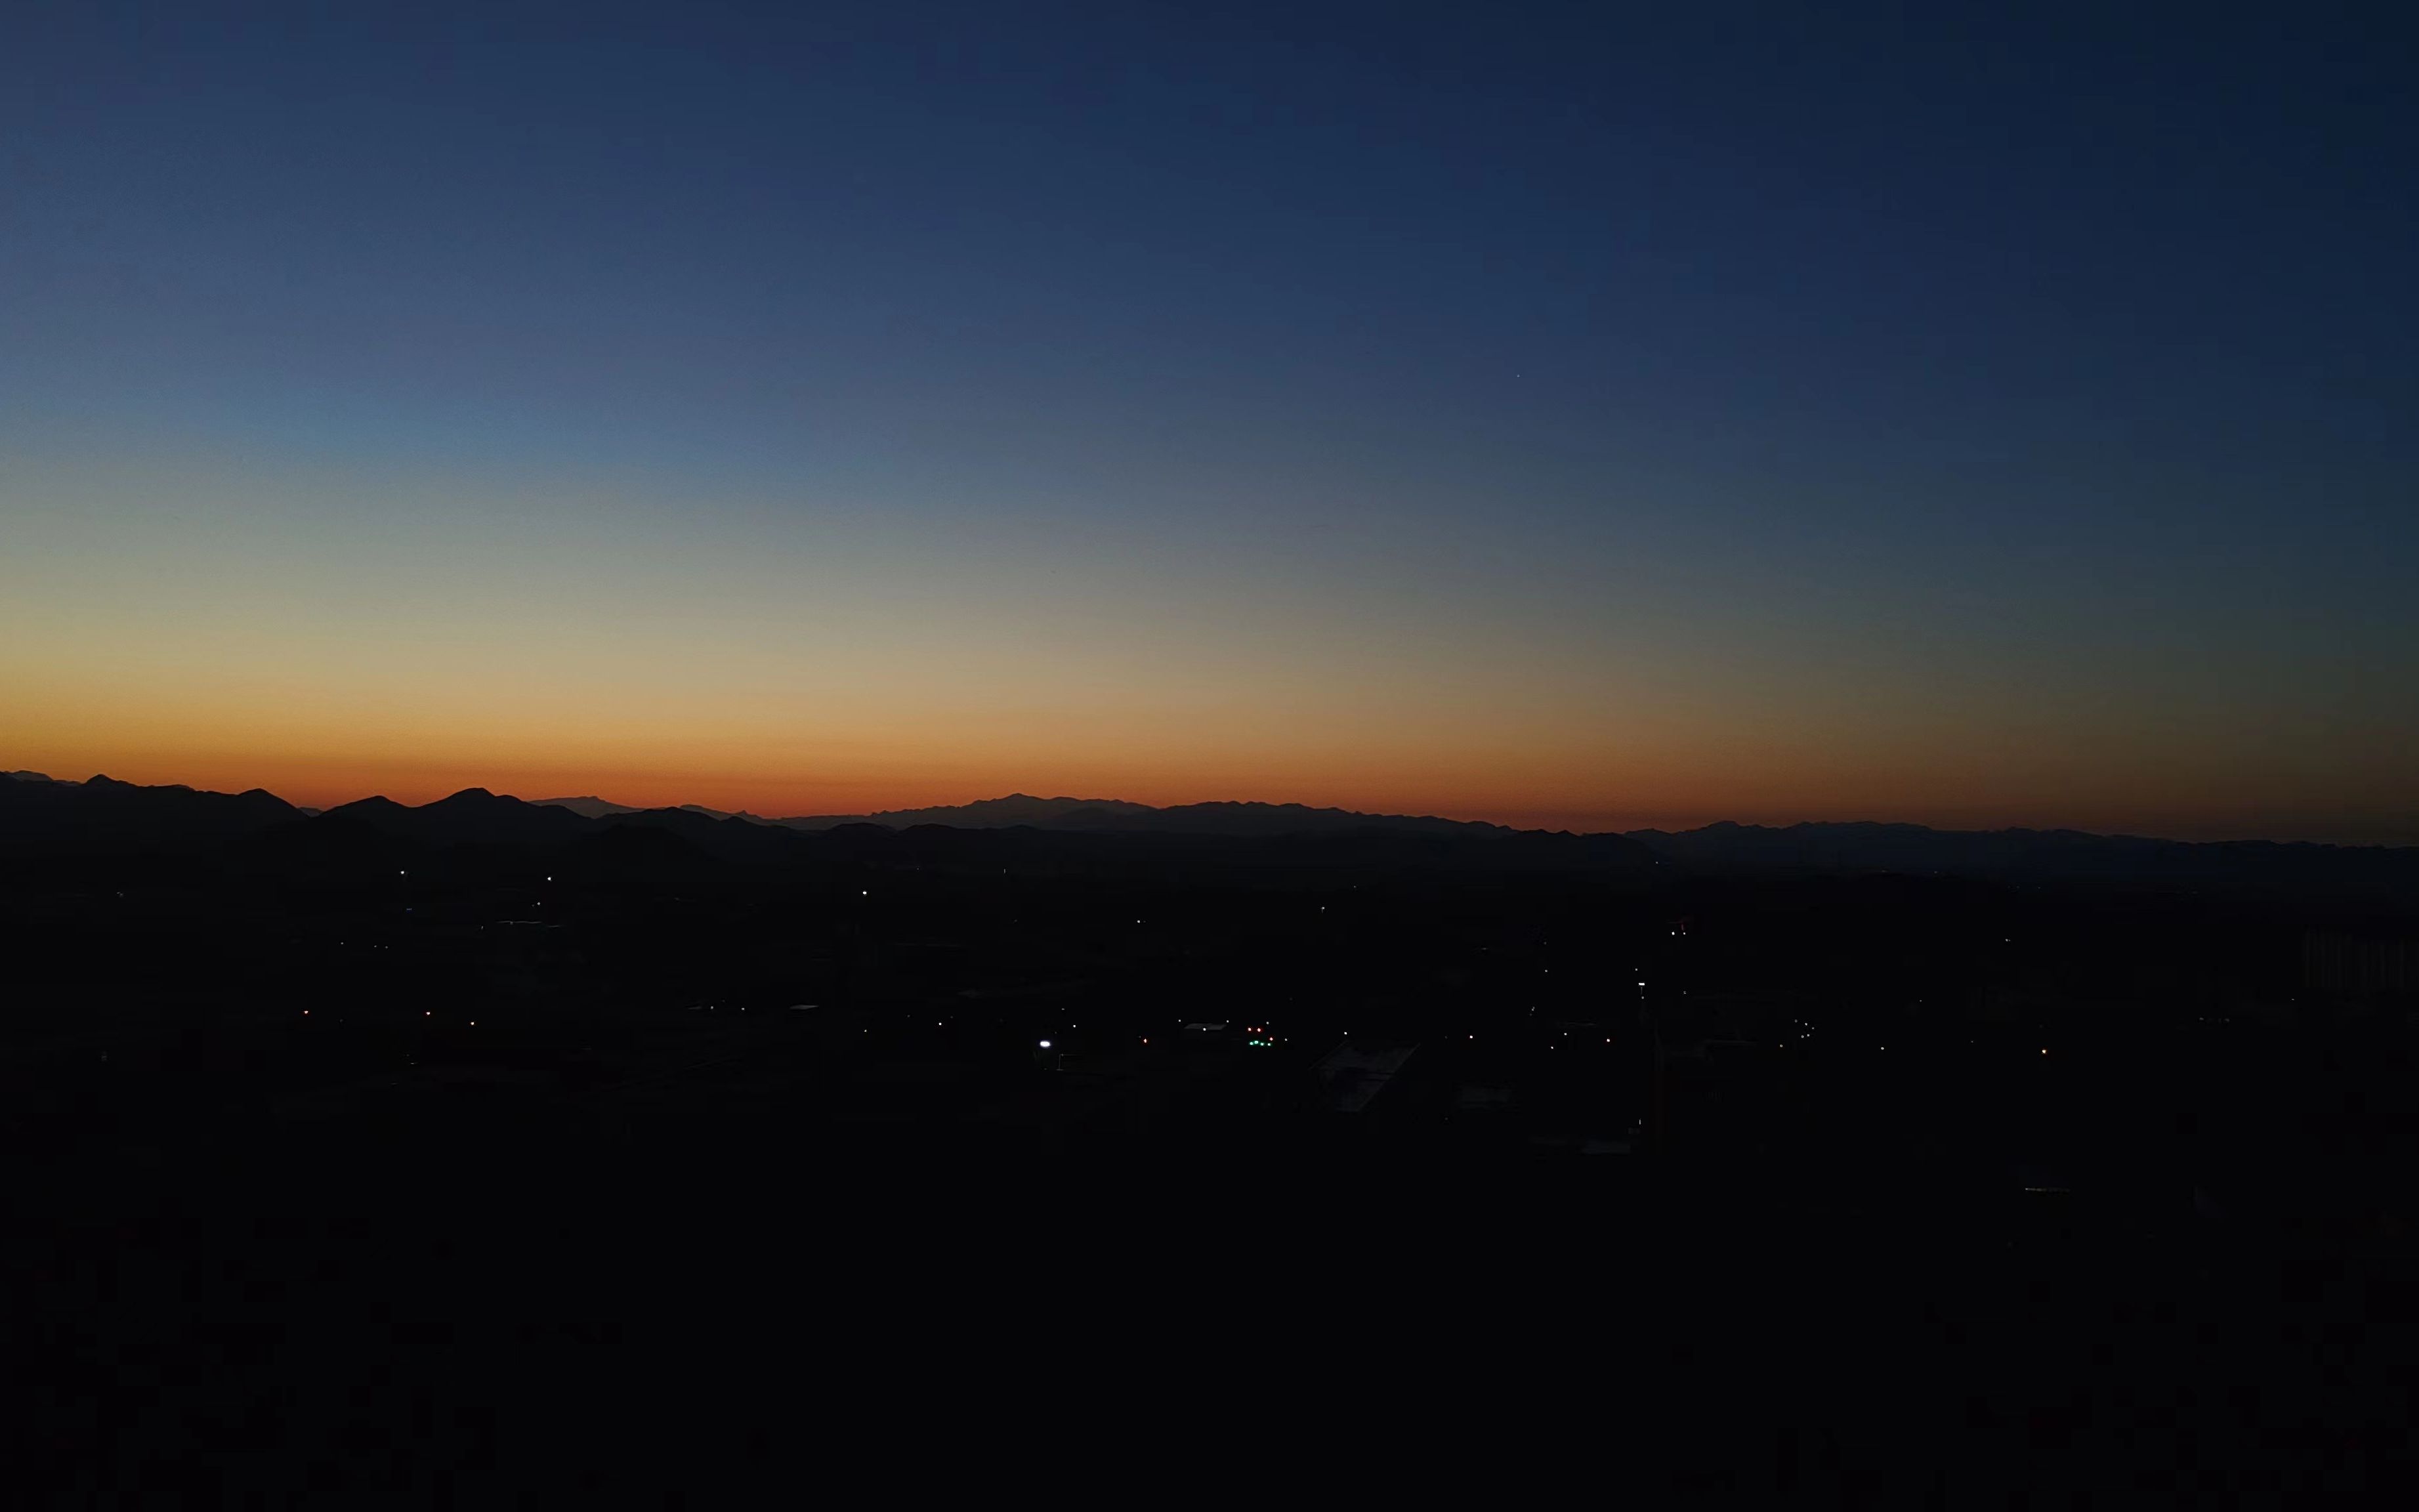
<point x="588" y="806"/>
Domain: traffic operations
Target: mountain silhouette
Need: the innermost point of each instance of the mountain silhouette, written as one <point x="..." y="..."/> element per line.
<point x="1112" y="816"/>
<point x="984" y="813"/>
<point x="472" y="816"/>
<point x="39" y="817"/>
<point x="593" y="807"/>
<point x="102" y="816"/>
<point x="1084" y="834"/>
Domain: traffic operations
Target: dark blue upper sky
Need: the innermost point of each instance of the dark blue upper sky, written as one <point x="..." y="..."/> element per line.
<point x="1906" y="361"/>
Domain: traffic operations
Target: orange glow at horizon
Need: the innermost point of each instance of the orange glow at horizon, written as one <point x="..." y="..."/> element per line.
<point x="1528" y="795"/>
<point x="159" y="631"/>
<point x="1603" y="428"/>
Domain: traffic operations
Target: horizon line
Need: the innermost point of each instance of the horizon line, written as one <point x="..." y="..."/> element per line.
<point x="875" y="815"/>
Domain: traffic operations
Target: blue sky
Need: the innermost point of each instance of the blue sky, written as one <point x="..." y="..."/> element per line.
<point x="1559" y="415"/>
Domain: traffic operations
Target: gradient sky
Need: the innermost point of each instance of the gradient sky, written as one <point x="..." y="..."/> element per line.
<point x="1569" y="416"/>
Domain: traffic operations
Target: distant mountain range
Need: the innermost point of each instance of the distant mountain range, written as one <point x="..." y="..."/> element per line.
<point x="1095" y="815"/>
<point x="101" y="816"/>
<point x="40" y="815"/>
<point x="104" y="817"/>
<point x="595" y="807"/>
<point x="1116" y="816"/>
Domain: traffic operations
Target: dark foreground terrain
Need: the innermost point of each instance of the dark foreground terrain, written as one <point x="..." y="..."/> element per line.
<point x="430" y="1152"/>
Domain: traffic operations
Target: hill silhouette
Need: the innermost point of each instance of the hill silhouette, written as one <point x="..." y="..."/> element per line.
<point x="593" y="807"/>
<point x="590" y="807"/>
<point x="1116" y="816"/>
<point x="104" y="817"/>
<point x="419" y="1046"/>
<point x="985" y="813"/>
<point x="472" y="816"/>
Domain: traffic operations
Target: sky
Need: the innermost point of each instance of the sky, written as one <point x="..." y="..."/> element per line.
<point x="1590" y="417"/>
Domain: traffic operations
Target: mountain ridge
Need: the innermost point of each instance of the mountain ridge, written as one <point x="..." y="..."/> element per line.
<point x="1119" y="814"/>
<point x="102" y="815"/>
<point x="593" y="807"/>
